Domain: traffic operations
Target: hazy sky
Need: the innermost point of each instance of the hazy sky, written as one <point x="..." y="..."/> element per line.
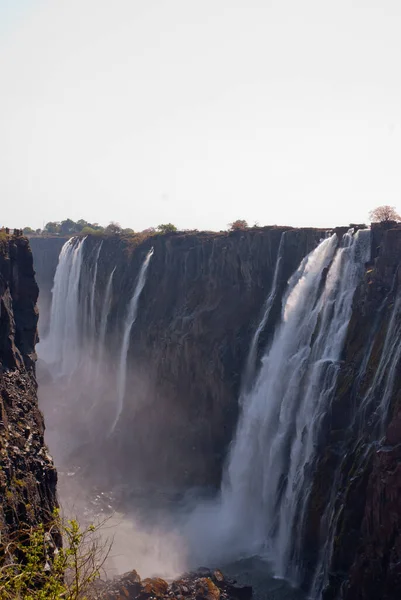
<point x="199" y="112"/>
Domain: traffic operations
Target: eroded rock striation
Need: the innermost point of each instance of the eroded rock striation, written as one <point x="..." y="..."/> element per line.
<point x="202" y="301"/>
<point x="27" y="475"/>
<point x="354" y="505"/>
<point x="200" y="306"/>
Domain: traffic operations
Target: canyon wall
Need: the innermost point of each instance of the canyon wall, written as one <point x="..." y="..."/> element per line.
<point x="201" y="304"/>
<point x="46" y="260"/>
<point x="354" y="522"/>
<point x="27" y="475"/>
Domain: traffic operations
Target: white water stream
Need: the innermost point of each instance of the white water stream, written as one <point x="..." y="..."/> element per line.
<point x="60" y="349"/>
<point x="251" y="363"/>
<point x="129" y="321"/>
<point x="268" y="474"/>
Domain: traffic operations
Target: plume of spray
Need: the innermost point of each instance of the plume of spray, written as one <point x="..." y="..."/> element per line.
<point x="67" y="389"/>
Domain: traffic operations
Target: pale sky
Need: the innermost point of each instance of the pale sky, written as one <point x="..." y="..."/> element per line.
<point x="199" y="112"/>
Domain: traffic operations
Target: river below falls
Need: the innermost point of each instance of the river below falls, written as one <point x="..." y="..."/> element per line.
<point x="255" y="572"/>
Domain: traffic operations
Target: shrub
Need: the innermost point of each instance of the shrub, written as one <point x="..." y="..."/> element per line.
<point x="113" y="228"/>
<point x="33" y="567"/>
<point x="87" y="231"/>
<point x="238" y="225"/>
<point x="166" y="228"/>
<point x="384" y="214"/>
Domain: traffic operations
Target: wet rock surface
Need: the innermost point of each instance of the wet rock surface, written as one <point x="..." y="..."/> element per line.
<point x="358" y="473"/>
<point x="203" y="584"/>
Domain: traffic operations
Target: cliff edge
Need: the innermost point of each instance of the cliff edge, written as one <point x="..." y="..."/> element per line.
<point x="27" y="475"/>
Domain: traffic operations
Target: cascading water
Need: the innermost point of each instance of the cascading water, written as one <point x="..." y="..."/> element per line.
<point x="61" y="347"/>
<point x="88" y="311"/>
<point x="129" y="321"/>
<point x="251" y="363"/>
<point x="269" y="470"/>
<point x="104" y="318"/>
<point x="92" y="313"/>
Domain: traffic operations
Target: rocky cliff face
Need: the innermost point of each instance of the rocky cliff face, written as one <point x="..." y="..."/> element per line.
<point x="201" y="304"/>
<point x="46" y="258"/>
<point x="27" y="476"/>
<point x="360" y="515"/>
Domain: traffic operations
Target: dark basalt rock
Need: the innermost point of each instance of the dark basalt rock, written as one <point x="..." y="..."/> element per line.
<point x="365" y="561"/>
<point x="202" y="301"/>
<point x="201" y="585"/>
<point x="27" y="475"/>
<point x="198" y="310"/>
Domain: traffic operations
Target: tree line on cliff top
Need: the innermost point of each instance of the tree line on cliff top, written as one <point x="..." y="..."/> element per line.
<point x="381" y="214"/>
<point x="82" y="227"/>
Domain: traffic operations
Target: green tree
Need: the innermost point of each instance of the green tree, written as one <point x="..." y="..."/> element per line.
<point x="113" y="228"/>
<point x="68" y="226"/>
<point x="166" y="228"/>
<point x="52" y="227"/>
<point x="79" y="225"/>
<point x="89" y="231"/>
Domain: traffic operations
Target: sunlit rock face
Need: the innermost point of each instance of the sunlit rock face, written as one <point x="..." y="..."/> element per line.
<point x="27" y="475"/>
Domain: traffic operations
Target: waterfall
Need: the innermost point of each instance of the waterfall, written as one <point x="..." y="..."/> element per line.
<point x="129" y="321"/>
<point x="271" y="460"/>
<point x="104" y="318"/>
<point x="61" y="347"/>
<point x="251" y="363"/>
<point x="92" y="313"/>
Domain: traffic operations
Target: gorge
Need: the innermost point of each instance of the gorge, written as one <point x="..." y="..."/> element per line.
<point x="244" y="384"/>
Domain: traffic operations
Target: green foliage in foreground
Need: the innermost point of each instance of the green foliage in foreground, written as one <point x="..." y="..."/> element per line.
<point x="34" y="568"/>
